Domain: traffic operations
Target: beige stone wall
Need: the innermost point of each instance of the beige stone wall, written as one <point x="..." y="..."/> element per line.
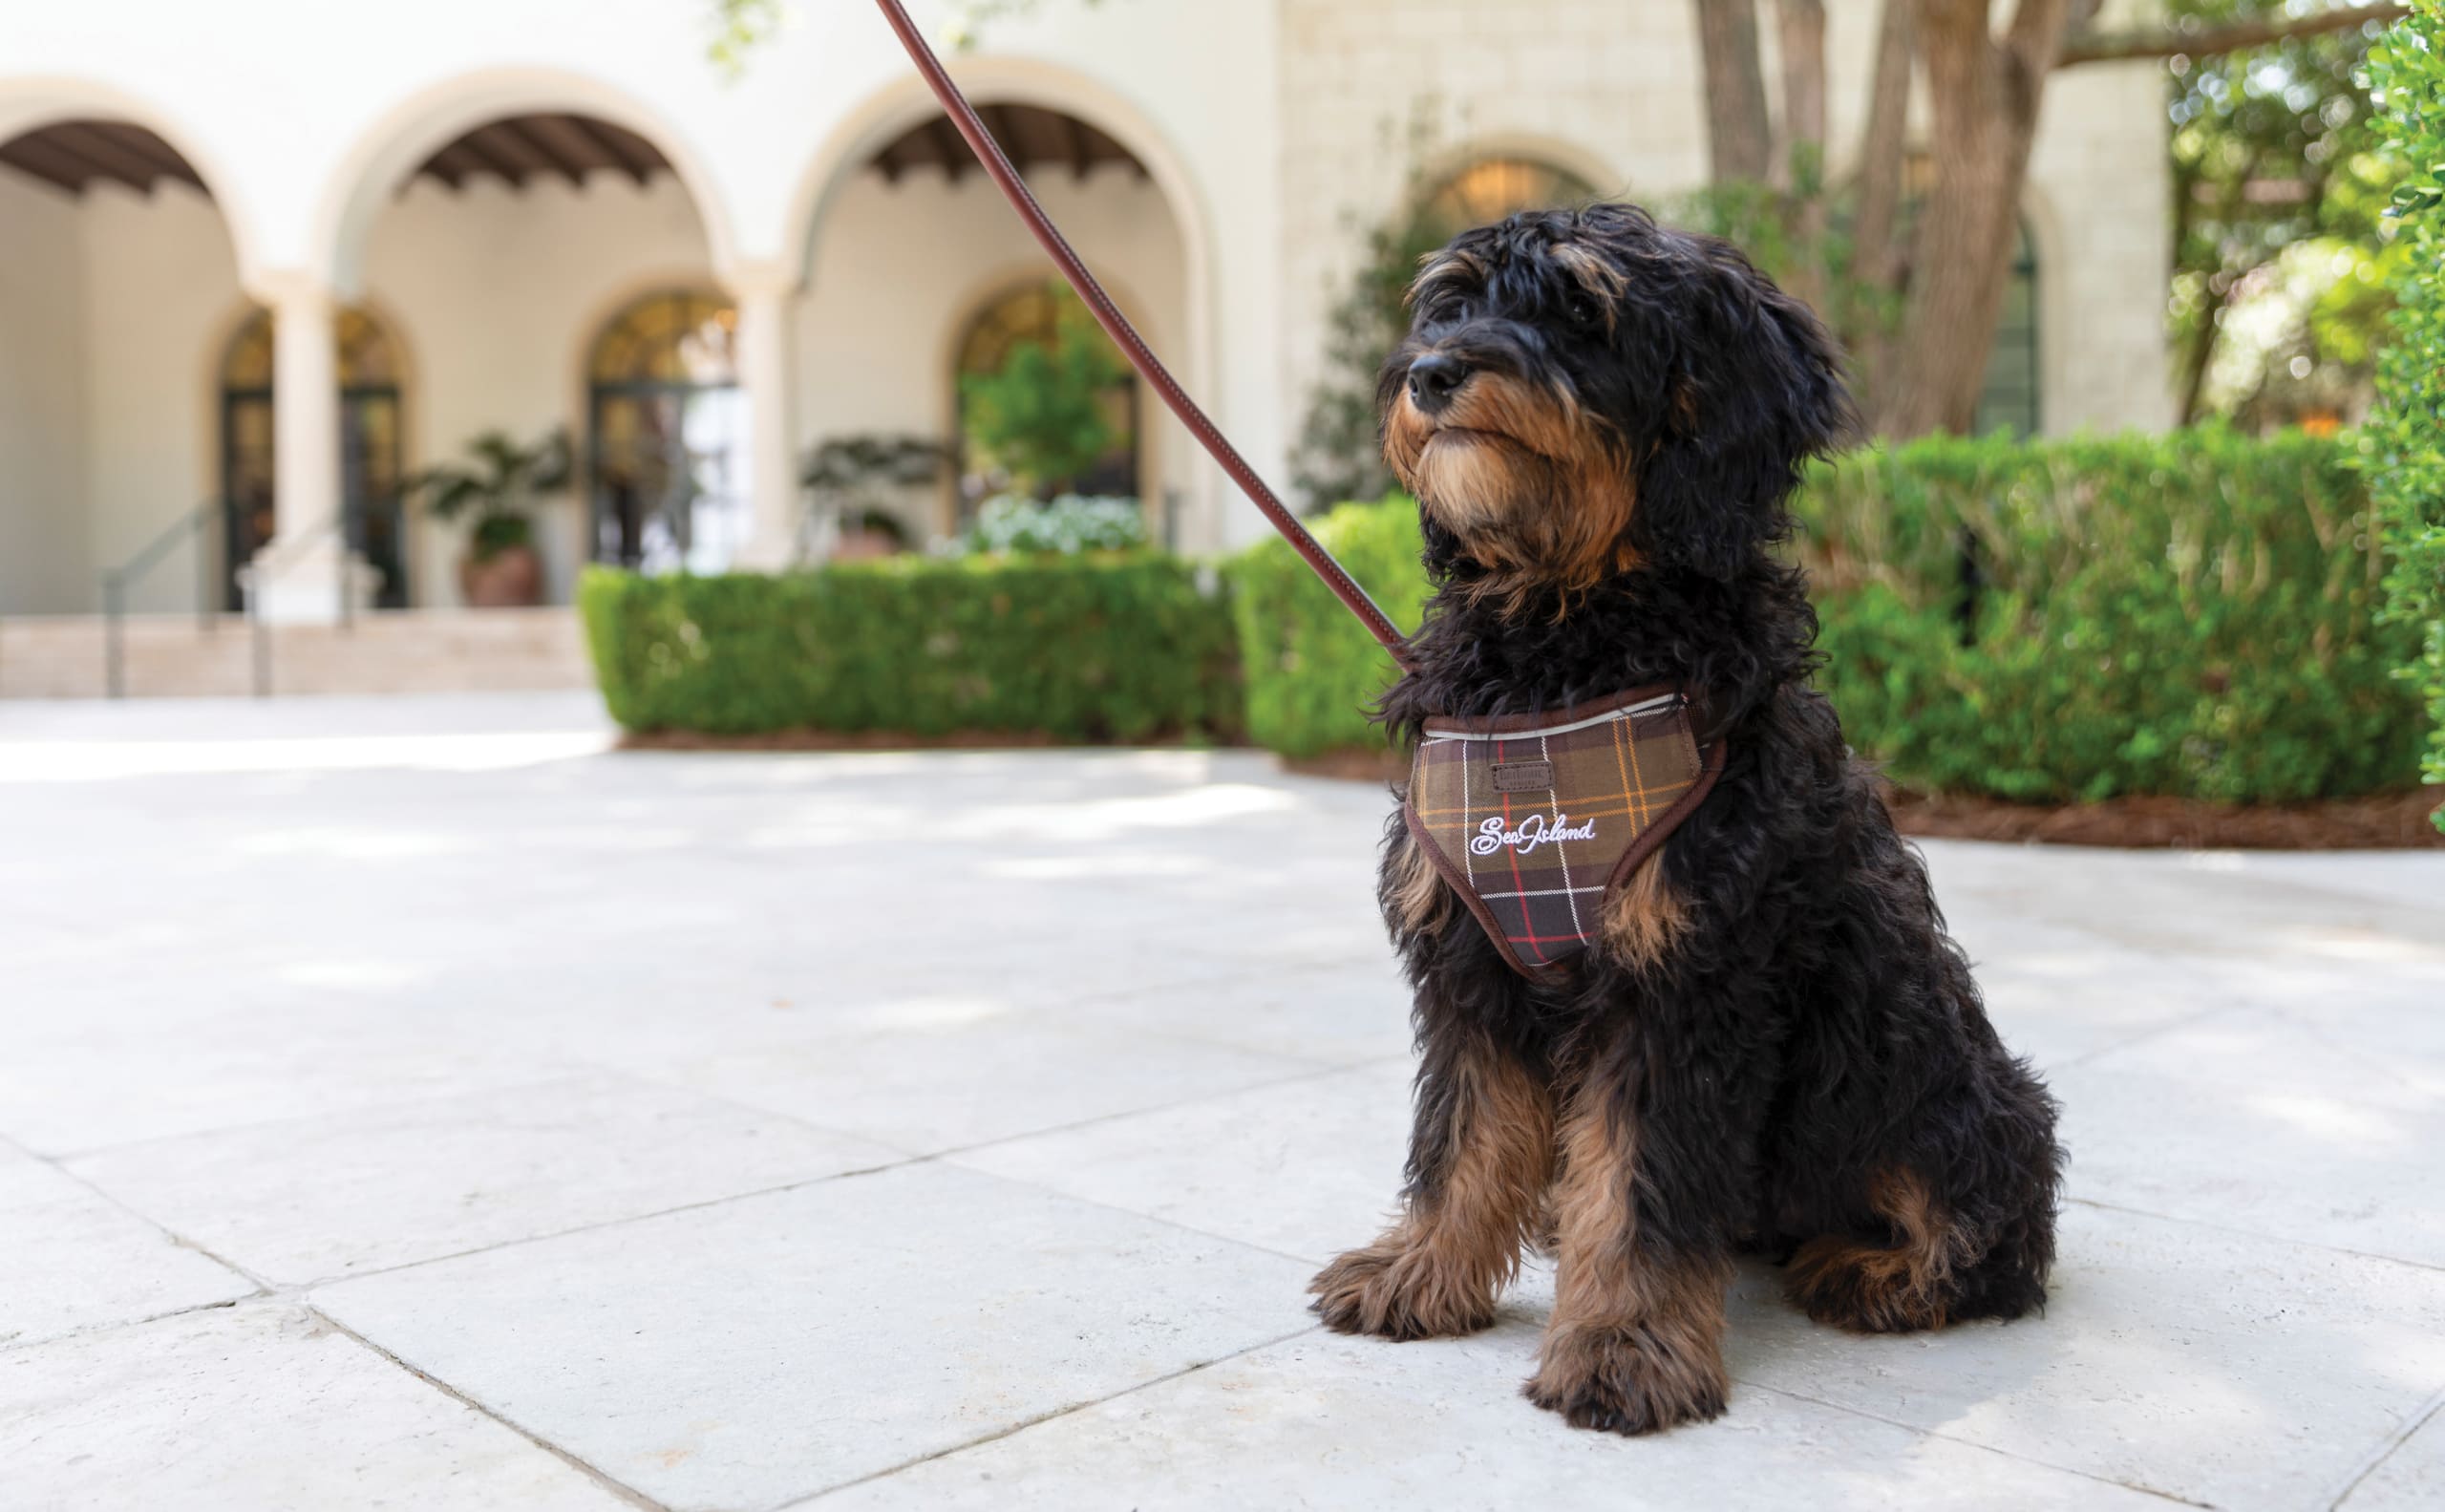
<point x="45" y="560"/>
<point x="1611" y="91"/>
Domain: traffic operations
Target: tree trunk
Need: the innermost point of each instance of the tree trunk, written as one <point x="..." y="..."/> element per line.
<point x="1799" y="158"/>
<point x="2201" y="355"/>
<point x="1740" y="142"/>
<point x="1985" y="94"/>
<point x="1875" y="260"/>
<point x="1804" y="47"/>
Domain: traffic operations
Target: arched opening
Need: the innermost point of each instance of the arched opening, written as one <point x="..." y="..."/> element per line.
<point x="1491" y="189"/>
<point x="506" y="244"/>
<point x="1338" y="456"/>
<point x="920" y="277"/>
<point x="121" y="270"/>
<point x="372" y="450"/>
<point x="2013" y="398"/>
<point x="1041" y="315"/>
<point x="667" y="435"/>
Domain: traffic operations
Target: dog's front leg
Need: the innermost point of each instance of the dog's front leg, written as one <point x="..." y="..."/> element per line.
<point x="1635" y="1343"/>
<point x="1481" y="1154"/>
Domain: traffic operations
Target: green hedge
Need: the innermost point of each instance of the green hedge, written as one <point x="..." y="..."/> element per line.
<point x="2406" y="453"/>
<point x="1311" y="671"/>
<point x="2188" y="614"/>
<point x="1109" y="648"/>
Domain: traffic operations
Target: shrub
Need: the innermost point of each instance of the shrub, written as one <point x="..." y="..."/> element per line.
<point x="1093" y="648"/>
<point x="1311" y="672"/>
<point x="2407" y="452"/>
<point x="2189" y="614"/>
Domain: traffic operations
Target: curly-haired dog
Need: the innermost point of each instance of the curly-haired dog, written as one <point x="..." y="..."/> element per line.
<point x="1769" y="1041"/>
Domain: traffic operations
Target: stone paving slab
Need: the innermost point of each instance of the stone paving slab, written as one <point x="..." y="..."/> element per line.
<point x="2254" y="1121"/>
<point x="1305" y="1168"/>
<point x="257" y="1408"/>
<point x="578" y="1049"/>
<point x="2212" y="1367"/>
<point x="305" y="1199"/>
<point x="744" y="1354"/>
<point x="71" y="1257"/>
<point x="2409" y="1477"/>
<point x="936" y="1086"/>
<point x="1350" y="1425"/>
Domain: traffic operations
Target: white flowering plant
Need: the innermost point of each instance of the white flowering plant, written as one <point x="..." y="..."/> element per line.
<point x="1070" y="526"/>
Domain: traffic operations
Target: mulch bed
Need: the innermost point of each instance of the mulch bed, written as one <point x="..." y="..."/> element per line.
<point x="2396" y="821"/>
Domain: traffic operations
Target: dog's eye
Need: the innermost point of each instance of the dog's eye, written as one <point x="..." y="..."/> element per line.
<point x="1582" y="310"/>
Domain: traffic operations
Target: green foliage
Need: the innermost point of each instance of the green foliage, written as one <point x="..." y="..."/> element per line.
<point x="1069" y="524"/>
<point x="1311" y="673"/>
<point x="2190" y="615"/>
<point x="2407" y="438"/>
<point x="1043" y="418"/>
<point x="1338" y="456"/>
<point x="2273" y="146"/>
<point x="501" y="483"/>
<point x="1101" y="647"/>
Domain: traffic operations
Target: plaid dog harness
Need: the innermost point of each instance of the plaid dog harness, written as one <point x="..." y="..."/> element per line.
<point x="1535" y="819"/>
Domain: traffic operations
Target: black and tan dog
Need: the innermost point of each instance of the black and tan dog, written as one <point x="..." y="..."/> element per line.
<point x="1770" y="1043"/>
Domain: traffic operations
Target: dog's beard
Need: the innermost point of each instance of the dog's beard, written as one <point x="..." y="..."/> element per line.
<point x="1518" y="479"/>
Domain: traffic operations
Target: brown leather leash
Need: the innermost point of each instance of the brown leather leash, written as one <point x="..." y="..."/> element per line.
<point x="1124" y="335"/>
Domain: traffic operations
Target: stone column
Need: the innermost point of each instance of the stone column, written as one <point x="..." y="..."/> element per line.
<point x="301" y="574"/>
<point x="764" y="291"/>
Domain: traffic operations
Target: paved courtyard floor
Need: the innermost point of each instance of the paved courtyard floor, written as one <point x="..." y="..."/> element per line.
<point x="417" y="1105"/>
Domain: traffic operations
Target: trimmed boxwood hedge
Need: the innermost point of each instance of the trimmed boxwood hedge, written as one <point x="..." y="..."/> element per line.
<point x="2189" y="614"/>
<point x="1117" y="647"/>
<point x="1312" y="673"/>
<point x="2192" y="614"/>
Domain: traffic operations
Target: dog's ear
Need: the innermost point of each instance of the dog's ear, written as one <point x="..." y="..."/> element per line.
<point x="1758" y="391"/>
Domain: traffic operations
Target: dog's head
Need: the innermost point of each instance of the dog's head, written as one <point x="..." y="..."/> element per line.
<point x="1583" y="393"/>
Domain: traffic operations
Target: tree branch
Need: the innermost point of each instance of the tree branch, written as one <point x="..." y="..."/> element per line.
<point x="2117" y="46"/>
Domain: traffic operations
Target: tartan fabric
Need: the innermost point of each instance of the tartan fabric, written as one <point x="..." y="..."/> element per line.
<point x="1532" y="818"/>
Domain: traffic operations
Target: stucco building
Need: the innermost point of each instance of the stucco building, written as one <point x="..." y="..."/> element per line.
<point x="259" y="259"/>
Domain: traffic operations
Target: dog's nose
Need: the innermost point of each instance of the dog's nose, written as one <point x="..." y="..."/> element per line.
<point x="1434" y="379"/>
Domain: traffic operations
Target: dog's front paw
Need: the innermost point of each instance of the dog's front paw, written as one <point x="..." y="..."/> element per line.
<point x="1399" y="1293"/>
<point x="1629" y="1380"/>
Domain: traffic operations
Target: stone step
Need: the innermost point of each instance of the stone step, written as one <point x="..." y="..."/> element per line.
<point x="411" y="651"/>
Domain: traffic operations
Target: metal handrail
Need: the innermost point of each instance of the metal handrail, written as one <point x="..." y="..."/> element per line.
<point x="115" y="581"/>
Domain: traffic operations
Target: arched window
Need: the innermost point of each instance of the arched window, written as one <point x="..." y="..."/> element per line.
<point x="369" y="449"/>
<point x="1034" y="314"/>
<point x="1493" y="187"/>
<point x="2010" y="397"/>
<point x="668" y="435"/>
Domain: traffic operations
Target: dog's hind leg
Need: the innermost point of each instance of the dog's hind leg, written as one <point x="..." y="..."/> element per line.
<point x="1481" y="1154"/>
<point x="1906" y="1278"/>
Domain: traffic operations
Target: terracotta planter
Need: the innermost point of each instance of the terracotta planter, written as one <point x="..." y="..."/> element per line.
<point x="863" y="545"/>
<point x="509" y="579"/>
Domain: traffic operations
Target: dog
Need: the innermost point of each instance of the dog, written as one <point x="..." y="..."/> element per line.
<point x="1769" y="1045"/>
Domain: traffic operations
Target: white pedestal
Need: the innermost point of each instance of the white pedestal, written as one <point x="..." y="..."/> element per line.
<point x="304" y="586"/>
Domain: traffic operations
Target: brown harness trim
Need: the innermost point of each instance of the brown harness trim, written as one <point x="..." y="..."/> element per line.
<point x="1711" y="762"/>
<point x="1124" y="335"/>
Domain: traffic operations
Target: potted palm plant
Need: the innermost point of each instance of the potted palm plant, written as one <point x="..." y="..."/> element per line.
<point x="498" y="483"/>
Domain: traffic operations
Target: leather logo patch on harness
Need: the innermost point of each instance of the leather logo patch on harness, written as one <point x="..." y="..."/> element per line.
<point x="1523" y="776"/>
